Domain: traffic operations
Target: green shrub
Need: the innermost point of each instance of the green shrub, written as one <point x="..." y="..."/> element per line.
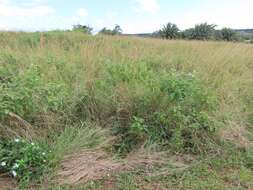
<point x="21" y="159"/>
<point x="115" y="31"/>
<point x="187" y="120"/>
<point x="131" y="137"/>
<point x="183" y="121"/>
<point x="16" y="94"/>
<point x="203" y="31"/>
<point x="83" y="28"/>
<point x="26" y="94"/>
<point x="228" y="34"/>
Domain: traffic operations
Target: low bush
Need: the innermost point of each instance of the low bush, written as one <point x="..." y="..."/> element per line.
<point x="22" y="160"/>
<point x="25" y="93"/>
<point x="183" y="121"/>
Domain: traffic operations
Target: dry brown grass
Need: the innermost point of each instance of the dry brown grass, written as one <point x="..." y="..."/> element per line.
<point x="237" y="134"/>
<point x="93" y="165"/>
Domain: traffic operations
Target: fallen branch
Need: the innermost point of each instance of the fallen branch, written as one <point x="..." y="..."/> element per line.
<point x="16" y="126"/>
<point x="18" y="120"/>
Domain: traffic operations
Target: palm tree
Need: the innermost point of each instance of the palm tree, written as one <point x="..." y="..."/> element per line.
<point x="169" y="31"/>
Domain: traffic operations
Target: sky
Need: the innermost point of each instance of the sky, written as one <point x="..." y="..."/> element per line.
<point x="134" y="16"/>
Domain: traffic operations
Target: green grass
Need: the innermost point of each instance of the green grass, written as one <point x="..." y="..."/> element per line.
<point x="75" y="138"/>
<point x="124" y="93"/>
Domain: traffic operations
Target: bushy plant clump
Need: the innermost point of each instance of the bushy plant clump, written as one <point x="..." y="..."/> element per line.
<point x="25" y="93"/>
<point x="183" y="121"/>
<point x="22" y="160"/>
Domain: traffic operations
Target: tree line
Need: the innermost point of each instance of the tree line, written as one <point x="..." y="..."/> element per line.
<point x="203" y="31"/>
<point x="88" y="30"/>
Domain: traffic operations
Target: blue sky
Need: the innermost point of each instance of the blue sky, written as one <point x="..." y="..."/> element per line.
<point x="133" y="15"/>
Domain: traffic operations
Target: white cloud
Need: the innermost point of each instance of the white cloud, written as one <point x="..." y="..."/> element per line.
<point x="9" y="10"/>
<point x="25" y="14"/>
<point x="13" y="11"/>
<point x="82" y="12"/>
<point x="229" y="13"/>
<point x="151" y="6"/>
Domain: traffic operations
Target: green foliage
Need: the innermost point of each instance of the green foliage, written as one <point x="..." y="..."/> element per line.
<point x="137" y="127"/>
<point x="188" y="33"/>
<point x="23" y="160"/>
<point x="202" y="31"/>
<point x="84" y="135"/>
<point x="169" y="31"/>
<point x="83" y="28"/>
<point x="183" y="121"/>
<point x="178" y="87"/>
<point x="25" y="93"/>
<point x="228" y="34"/>
<point x="186" y="121"/>
<point x="222" y="171"/>
<point x="116" y="31"/>
<point x="128" y="73"/>
<point x="126" y="181"/>
<point x="249" y="159"/>
<point x="217" y="35"/>
<point x="128" y="86"/>
<point x="16" y="95"/>
<point x="132" y="136"/>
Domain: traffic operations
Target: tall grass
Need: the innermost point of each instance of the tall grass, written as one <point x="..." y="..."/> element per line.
<point x="101" y="76"/>
<point x="179" y="94"/>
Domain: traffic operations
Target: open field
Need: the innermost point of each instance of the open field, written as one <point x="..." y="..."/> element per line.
<point x="144" y="113"/>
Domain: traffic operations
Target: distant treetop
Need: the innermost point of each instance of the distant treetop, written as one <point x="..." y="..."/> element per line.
<point x="116" y="31"/>
<point x="83" y="28"/>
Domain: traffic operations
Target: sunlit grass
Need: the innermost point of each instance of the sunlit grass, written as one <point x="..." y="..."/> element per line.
<point x="61" y="79"/>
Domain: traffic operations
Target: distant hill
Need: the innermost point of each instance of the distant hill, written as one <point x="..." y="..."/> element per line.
<point x="144" y="35"/>
<point x="245" y="30"/>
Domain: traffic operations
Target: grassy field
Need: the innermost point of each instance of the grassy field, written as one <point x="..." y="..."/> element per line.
<point x="187" y="104"/>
